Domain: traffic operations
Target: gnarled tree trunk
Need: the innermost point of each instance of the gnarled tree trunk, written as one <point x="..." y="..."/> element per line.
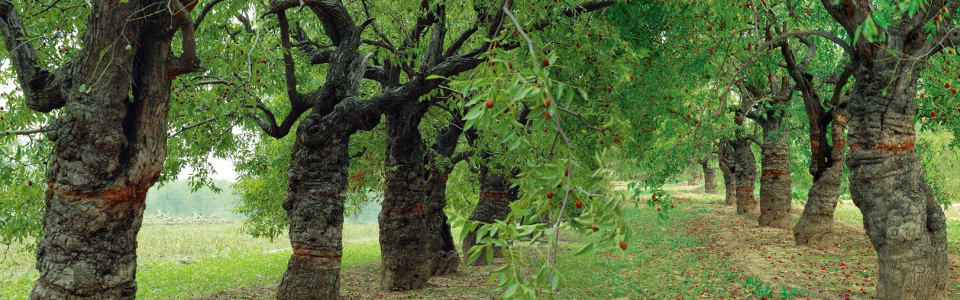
<point x="815" y="227"/>
<point x="445" y="259"/>
<point x="709" y="176"/>
<point x="404" y="220"/>
<point x="727" y="159"/>
<point x="775" y="181"/>
<point x="494" y="204"/>
<point x="316" y="192"/>
<point x="109" y="143"/>
<point x="746" y="174"/>
<point x="905" y="223"/>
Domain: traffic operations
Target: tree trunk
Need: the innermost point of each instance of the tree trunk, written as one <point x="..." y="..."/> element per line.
<point x="726" y="158"/>
<point x="746" y="174"/>
<point x="775" y="181"/>
<point x="446" y="260"/>
<point x="109" y="142"/>
<point x="494" y="204"/>
<point x="905" y="223"/>
<point x="709" y="177"/>
<point x="316" y="192"/>
<point x="404" y="220"/>
<point x="815" y="227"/>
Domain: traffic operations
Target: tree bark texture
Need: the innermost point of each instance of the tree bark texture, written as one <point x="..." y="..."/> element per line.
<point x="404" y="220"/>
<point x="446" y="259"/>
<point x="775" y="181"/>
<point x="727" y="159"/>
<point x="906" y="225"/>
<point x="815" y="227"/>
<point x="746" y="177"/>
<point x="109" y="143"/>
<point x="709" y="176"/>
<point x="494" y="203"/>
<point x="316" y="193"/>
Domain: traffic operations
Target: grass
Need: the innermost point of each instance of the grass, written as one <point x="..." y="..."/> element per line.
<point x="658" y="262"/>
<point x="182" y="261"/>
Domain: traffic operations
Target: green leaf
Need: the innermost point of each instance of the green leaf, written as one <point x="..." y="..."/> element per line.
<point x="586" y="249"/>
<point x="474" y="112"/>
<point x="489" y="252"/>
<point x="511" y="289"/>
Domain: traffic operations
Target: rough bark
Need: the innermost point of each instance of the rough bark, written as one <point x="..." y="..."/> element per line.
<point x="726" y="158"/>
<point x="746" y="176"/>
<point x="109" y="142"/>
<point x="775" y="181"/>
<point x="709" y="176"/>
<point x="404" y="232"/>
<point x="815" y="227"/>
<point x="445" y="258"/>
<point x="905" y="224"/>
<point x="318" y="173"/>
<point x="494" y="204"/>
<point x="316" y="193"/>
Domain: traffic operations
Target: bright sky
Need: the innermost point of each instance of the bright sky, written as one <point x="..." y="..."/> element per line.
<point x="223" y="168"/>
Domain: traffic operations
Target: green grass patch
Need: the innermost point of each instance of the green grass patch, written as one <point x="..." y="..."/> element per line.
<point x="182" y="261"/>
<point x="664" y="258"/>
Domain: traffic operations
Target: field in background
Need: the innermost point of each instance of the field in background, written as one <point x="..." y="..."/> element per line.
<point x="189" y="260"/>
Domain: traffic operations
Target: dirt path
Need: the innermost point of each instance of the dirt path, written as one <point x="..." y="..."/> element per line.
<point x="363" y="282"/>
<point x="848" y="270"/>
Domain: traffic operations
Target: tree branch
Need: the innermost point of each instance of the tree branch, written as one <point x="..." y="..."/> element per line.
<point x="26" y="132"/>
<point x="198" y="124"/>
<point x="288" y="71"/>
<point x="204" y="11"/>
<point x="41" y="88"/>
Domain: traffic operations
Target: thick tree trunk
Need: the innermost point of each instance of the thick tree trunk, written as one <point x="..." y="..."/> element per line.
<point x="815" y="227"/>
<point x="109" y="143"/>
<point x="709" y="177"/>
<point x="726" y="158"/>
<point x="775" y="181"/>
<point x="404" y="220"/>
<point x="494" y="204"/>
<point x="316" y="192"/>
<point x="905" y="223"/>
<point x="746" y="174"/>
